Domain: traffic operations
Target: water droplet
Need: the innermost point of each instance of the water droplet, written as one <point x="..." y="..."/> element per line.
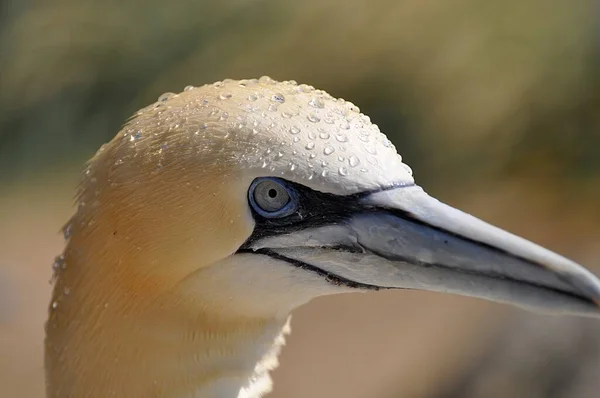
<point x="306" y="88"/>
<point x="372" y="150"/>
<point x="68" y="231"/>
<point x="203" y="126"/>
<point x="313" y="117"/>
<point x="54" y="305"/>
<point x="310" y="145"/>
<point x="363" y="170"/>
<point x="324" y="135"/>
<point x="344" y="125"/>
<point x="273" y="107"/>
<point x="224" y="116"/>
<point x="165" y="97"/>
<point x="225" y="96"/>
<point x="325" y="173"/>
<point x="294" y="130"/>
<point x="188" y="88"/>
<point x="312" y="156"/>
<point x="363" y="138"/>
<point x="278" y="98"/>
<point x="296" y="139"/>
<point x="265" y="80"/>
<point x="136" y="136"/>
<point x="324" y="163"/>
<point x="341" y="158"/>
<point x="279" y="155"/>
<point x="59" y="263"/>
<point x="328" y="150"/>
<point x="316" y="103"/>
<point x="329" y="119"/>
<point x="343" y="171"/>
<point x="341" y="137"/>
<point x="293" y="166"/>
<point x="67" y="291"/>
<point x="252" y="97"/>
<point x="286" y="115"/>
<point x="312" y="135"/>
<point x="353" y="161"/>
<point x="387" y="143"/>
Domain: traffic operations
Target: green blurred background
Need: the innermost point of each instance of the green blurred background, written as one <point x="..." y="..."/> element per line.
<point x="494" y="104"/>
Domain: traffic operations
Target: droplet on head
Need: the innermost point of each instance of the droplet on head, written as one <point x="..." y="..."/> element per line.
<point x="328" y="150"/>
<point x="305" y="88"/>
<point x="278" y="98"/>
<point x="294" y="130"/>
<point x="343" y="171"/>
<point x="313" y="117"/>
<point x="353" y="161"/>
<point x="341" y="137"/>
<point x="329" y="119"/>
<point x="310" y="145"/>
<point x="316" y="103"/>
<point x="188" y="88"/>
<point x="165" y="97"/>
<point x="225" y="96"/>
<point x="252" y="97"/>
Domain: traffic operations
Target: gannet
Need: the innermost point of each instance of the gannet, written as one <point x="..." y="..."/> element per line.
<point x="215" y="212"/>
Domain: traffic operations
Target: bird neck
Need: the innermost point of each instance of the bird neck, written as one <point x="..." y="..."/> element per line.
<point x="109" y="337"/>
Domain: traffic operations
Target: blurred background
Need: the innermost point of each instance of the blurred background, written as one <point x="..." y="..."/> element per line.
<point x="494" y="104"/>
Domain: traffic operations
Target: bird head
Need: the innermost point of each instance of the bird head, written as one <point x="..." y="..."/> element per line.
<point x="260" y="195"/>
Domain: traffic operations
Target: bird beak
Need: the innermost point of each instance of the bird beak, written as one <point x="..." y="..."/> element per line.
<point x="403" y="238"/>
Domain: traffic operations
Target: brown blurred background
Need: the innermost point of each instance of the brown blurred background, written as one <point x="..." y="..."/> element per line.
<point x="495" y="105"/>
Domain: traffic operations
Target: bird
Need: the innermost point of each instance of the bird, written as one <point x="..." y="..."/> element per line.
<point x="217" y="211"/>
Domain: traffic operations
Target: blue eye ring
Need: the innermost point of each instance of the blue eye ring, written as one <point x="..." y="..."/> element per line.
<point x="270" y="184"/>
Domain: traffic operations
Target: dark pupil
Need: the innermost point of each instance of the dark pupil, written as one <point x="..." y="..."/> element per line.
<point x="272" y="193"/>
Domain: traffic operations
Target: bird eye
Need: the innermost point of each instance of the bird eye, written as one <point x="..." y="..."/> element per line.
<point x="271" y="198"/>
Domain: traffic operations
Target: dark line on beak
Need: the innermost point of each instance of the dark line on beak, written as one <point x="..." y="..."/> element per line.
<point x="566" y="278"/>
<point x="495" y="276"/>
<point x="329" y="277"/>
